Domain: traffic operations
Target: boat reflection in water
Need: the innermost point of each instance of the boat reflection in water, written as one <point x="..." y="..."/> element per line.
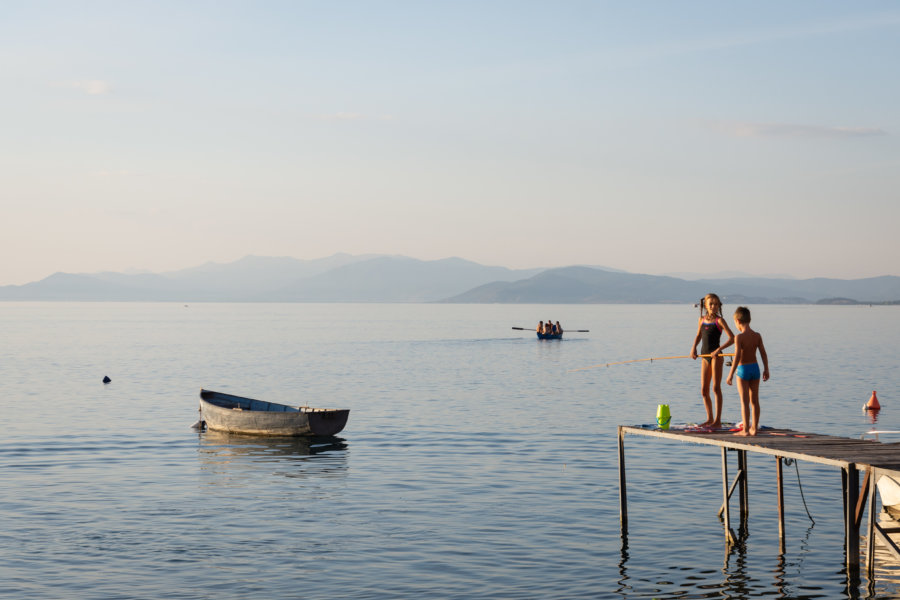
<point x="239" y="455"/>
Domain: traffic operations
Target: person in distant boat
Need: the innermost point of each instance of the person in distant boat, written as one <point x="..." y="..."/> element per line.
<point x="746" y="368"/>
<point x="709" y="331"/>
<point x="540" y="328"/>
<point x="558" y="328"/>
<point x="550" y="329"/>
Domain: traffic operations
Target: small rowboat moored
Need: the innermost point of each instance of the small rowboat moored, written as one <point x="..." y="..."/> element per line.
<point x="236" y="414"/>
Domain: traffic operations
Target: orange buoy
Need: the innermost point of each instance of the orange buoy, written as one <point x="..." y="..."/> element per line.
<point x="873" y="403"/>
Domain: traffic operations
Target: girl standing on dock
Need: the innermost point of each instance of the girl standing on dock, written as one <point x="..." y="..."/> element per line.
<point x="709" y="330"/>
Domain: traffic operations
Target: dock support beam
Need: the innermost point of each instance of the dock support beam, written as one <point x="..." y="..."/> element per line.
<point x="623" y="497"/>
<point x="780" y="491"/>
<point x="851" y="525"/>
<point x="863" y="494"/>
<point x="729" y="536"/>
<point x="870" y="535"/>
<point x="745" y="489"/>
<point x="740" y="479"/>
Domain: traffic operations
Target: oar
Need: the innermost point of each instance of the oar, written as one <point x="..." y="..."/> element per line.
<point x="564" y="330"/>
<point x="624" y="362"/>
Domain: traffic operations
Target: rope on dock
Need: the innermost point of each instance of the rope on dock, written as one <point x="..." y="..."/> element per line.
<point x="788" y="462"/>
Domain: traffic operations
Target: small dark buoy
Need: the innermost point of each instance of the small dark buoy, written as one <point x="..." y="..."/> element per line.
<point x="106" y="379"/>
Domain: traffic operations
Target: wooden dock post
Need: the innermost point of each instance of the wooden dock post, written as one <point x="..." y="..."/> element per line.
<point x="623" y="497"/>
<point x="780" y="491"/>
<point x="870" y="534"/>
<point x="745" y="489"/>
<point x="851" y="525"/>
<point x="729" y="536"/>
<point x="739" y="479"/>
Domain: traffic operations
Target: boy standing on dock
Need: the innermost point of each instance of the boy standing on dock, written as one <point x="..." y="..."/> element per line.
<point x="746" y="343"/>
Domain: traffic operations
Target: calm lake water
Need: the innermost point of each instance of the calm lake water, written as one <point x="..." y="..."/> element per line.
<point x="475" y="464"/>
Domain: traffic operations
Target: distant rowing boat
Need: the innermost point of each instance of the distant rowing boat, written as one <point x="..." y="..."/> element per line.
<point x="236" y="414"/>
<point x="551" y="336"/>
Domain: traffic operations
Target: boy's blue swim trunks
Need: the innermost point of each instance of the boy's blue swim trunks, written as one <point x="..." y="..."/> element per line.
<point x="748" y="372"/>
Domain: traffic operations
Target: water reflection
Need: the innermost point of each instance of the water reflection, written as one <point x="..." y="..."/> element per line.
<point x="230" y="454"/>
<point x="872" y="415"/>
<point x="887" y="565"/>
<point x="738" y="579"/>
<point x="623" y="588"/>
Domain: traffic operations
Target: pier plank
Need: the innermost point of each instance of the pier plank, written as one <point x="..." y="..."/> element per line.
<point x="812" y="447"/>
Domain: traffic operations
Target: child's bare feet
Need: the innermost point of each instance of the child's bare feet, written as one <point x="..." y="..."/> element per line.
<point x="741" y="433"/>
<point x="752" y="431"/>
<point x="715" y="425"/>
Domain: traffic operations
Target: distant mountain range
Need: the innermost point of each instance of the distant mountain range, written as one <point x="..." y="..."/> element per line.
<point x="380" y="278"/>
<point x="585" y="285"/>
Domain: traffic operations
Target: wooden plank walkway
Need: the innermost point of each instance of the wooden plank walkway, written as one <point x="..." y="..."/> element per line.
<point x="812" y="447"/>
<point x="852" y="456"/>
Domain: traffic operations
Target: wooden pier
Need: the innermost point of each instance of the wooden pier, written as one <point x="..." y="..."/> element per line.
<point x="852" y="456"/>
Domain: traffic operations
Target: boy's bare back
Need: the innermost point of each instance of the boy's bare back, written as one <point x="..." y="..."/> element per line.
<point x="747" y="343"/>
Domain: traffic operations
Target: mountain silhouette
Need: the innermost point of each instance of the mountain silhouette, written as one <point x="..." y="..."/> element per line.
<point x="382" y="278"/>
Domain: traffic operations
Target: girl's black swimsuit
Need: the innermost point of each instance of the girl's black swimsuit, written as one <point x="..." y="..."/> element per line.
<point x="710" y="336"/>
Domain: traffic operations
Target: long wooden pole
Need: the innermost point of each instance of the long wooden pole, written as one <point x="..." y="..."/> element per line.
<point x="623" y="497"/>
<point x="564" y="330"/>
<point x="625" y="362"/>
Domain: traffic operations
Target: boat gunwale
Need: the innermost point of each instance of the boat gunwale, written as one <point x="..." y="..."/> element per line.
<point x="207" y="395"/>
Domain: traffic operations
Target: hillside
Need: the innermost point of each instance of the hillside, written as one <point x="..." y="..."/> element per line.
<point x="379" y="278"/>
<point x="584" y="285"/>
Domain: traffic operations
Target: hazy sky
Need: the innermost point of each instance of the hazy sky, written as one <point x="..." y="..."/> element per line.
<point x="651" y="136"/>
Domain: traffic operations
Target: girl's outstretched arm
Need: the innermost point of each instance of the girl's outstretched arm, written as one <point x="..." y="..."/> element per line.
<point x="697" y="338"/>
<point x="727" y="330"/>
<point x="736" y="360"/>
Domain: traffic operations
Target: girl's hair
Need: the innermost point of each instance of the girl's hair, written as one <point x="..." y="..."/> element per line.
<point x="703" y="300"/>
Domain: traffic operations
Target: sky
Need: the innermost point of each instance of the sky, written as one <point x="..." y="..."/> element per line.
<point x="654" y="136"/>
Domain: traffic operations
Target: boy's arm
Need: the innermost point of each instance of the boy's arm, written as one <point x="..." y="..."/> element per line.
<point x="765" y="359"/>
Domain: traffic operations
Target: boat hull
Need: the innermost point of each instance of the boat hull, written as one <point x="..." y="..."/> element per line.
<point x="889" y="490"/>
<point x="549" y="336"/>
<point x="236" y="414"/>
